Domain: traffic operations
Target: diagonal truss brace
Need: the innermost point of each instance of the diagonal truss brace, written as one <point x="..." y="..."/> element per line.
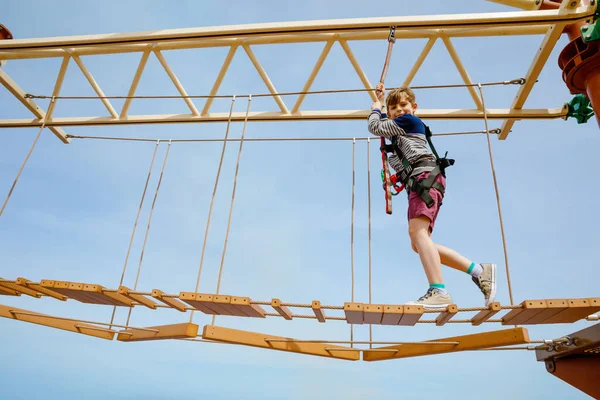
<point x="19" y="93"/>
<point x="327" y="32"/>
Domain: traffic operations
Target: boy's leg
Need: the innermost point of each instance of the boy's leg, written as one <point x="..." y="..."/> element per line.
<point x="484" y="275"/>
<point x="418" y="230"/>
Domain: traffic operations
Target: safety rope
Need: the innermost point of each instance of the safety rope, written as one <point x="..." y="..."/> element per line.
<point x="237" y="168"/>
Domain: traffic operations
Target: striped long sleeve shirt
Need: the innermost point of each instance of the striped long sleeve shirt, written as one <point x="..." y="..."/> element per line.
<point x="409" y="131"/>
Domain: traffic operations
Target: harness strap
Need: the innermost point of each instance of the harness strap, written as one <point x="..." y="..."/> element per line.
<point x="423" y="187"/>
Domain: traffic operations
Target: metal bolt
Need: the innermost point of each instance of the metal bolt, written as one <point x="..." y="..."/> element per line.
<point x="550" y="366"/>
<point x="537" y="2"/>
<point x="585" y="28"/>
<point x="588" y="36"/>
<point x="573" y="3"/>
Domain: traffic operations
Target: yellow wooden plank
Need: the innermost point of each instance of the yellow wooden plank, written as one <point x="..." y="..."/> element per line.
<point x="170" y="301"/>
<point x="119" y="298"/>
<point x="316" y="307"/>
<point x="392" y="314"/>
<point x="578" y="309"/>
<point x="254" y="339"/>
<point x="530" y="309"/>
<point x="209" y="300"/>
<point x="53" y="322"/>
<point x="282" y="310"/>
<point x="475" y="341"/>
<point x="4" y="291"/>
<point x="225" y="302"/>
<point x="20" y="289"/>
<point x="141" y="299"/>
<point x="484" y="315"/>
<point x="554" y="306"/>
<point x="244" y="304"/>
<point x="373" y="313"/>
<point x="411" y="315"/>
<point x="161" y="332"/>
<point x="445" y="316"/>
<point x="95" y="294"/>
<point x="198" y="301"/>
<point x="77" y="293"/>
<point x="40" y="289"/>
<point x="354" y="313"/>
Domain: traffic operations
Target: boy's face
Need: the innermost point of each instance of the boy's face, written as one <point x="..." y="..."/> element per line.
<point x="404" y="106"/>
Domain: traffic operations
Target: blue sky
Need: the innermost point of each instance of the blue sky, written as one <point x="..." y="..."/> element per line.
<point x="71" y="215"/>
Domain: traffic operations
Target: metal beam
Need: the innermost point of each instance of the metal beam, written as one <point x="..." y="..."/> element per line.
<point x="19" y="93"/>
<point x="402" y="23"/>
<point x="544" y="51"/>
<point x="330" y="115"/>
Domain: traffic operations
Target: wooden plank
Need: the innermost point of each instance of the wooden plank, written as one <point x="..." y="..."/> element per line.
<point x="316" y="307"/>
<point x="53" y="322"/>
<point x="554" y="306"/>
<point x="254" y="339"/>
<point x="484" y="315"/>
<point x="141" y="299"/>
<point x="225" y="302"/>
<point x="446" y="315"/>
<point x="411" y="315"/>
<point x="40" y="289"/>
<point x="244" y="304"/>
<point x="61" y="287"/>
<point x="392" y="314"/>
<point x="530" y="309"/>
<point x="119" y="298"/>
<point x="578" y="309"/>
<point x="21" y="289"/>
<point x="163" y="332"/>
<point x="4" y="291"/>
<point x="77" y="293"/>
<point x="170" y="301"/>
<point x="373" y="313"/>
<point x="354" y="313"/>
<point x="94" y="292"/>
<point x="282" y="310"/>
<point x="198" y="301"/>
<point x="475" y="341"/>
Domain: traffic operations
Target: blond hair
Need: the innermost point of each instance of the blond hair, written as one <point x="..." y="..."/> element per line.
<point x="395" y="96"/>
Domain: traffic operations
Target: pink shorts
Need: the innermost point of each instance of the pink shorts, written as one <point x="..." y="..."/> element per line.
<point x="418" y="208"/>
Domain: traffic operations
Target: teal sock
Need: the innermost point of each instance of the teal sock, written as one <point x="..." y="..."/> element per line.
<point x="475" y="270"/>
<point x="439" y="286"/>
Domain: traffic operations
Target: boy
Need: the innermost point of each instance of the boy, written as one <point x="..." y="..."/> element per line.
<point x="407" y="132"/>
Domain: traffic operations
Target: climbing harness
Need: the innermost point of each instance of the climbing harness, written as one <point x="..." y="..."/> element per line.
<point x="411" y="183"/>
<point x="407" y="181"/>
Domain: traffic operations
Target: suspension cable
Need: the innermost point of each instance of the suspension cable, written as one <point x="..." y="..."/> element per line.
<point x="237" y="168"/>
<point x="519" y="81"/>
<point x="493" y="131"/>
<point x="212" y="202"/>
<point x="352" y="232"/>
<point x="137" y="217"/>
<point x="497" y="195"/>
<point x="27" y="157"/>
<point x="137" y="277"/>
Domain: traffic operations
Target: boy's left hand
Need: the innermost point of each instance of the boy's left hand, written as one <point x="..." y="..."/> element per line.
<point x="380" y="92"/>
